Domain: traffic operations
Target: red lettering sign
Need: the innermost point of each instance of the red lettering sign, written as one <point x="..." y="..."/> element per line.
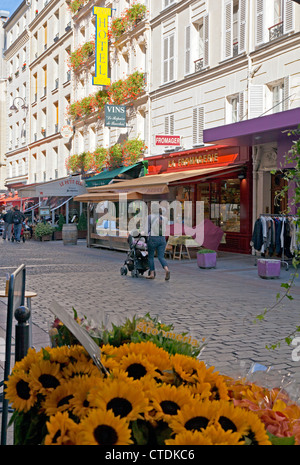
<point x="167" y="140"/>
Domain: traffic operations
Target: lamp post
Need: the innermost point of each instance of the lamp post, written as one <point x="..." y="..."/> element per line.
<point x="24" y="107"/>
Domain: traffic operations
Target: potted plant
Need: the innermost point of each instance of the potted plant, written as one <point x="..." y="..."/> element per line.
<point x="57" y="233"/>
<point x="43" y="232"/>
<point x="82" y="226"/>
<point x="206" y="258"/>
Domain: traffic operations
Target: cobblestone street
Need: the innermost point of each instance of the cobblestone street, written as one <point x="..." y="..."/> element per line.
<point x="219" y="304"/>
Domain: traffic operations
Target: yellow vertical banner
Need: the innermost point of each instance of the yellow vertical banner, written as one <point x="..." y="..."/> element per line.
<point x="101" y="46"/>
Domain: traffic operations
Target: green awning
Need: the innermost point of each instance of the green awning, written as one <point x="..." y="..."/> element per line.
<point x="105" y="177"/>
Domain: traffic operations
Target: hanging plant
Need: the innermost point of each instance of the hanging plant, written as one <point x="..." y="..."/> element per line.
<point x="75" y="5"/>
<point x="99" y="159"/>
<point x="133" y="150"/>
<point x="80" y="56"/>
<point x="128" y="19"/>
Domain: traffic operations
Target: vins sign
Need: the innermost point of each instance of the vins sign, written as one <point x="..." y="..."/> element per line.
<point x="115" y="116"/>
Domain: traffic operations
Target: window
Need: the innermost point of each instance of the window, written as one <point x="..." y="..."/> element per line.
<point x="273" y="19"/>
<point x="168" y="58"/>
<point x="196" y="46"/>
<point x="235" y="13"/>
<point x="198" y="125"/>
<point x="235" y="108"/>
<point x="45" y="36"/>
<point x="167" y="3"/>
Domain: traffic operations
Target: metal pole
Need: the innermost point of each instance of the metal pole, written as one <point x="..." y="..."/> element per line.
<point x="22" y="315"/>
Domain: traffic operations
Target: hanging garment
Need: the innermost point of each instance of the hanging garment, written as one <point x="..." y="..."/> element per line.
<point x="257" y="235"/>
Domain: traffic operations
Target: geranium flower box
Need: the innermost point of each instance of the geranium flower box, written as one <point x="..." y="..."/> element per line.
<point x="206" y="258"/>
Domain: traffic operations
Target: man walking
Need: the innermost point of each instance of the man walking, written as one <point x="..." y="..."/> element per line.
<point x="7" y="224"/>
<point x="17" y="220"/>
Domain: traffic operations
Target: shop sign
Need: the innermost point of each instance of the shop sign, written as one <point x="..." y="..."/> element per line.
<point x="66" y="131"/>
<point x="167" y="140"/>
<point x="195" y="160"/>
<point x="101" y="46"/>
<point x="71" y="186"/>
<point x="115" y="116"/>
<point x="44" y="211"/>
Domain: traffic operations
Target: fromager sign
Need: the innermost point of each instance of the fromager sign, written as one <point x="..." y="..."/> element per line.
<point x="167" y="140"/>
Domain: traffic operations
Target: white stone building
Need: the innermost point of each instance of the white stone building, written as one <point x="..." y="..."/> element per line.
<point x="217" y="66"/>
<point x="3" y="85"/>
<point x="130" y="53"/>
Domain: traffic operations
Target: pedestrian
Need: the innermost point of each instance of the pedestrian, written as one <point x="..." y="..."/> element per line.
<point x="17" y="219"/>
<point x="7" y="224"/>
<point x="157" y="242"/>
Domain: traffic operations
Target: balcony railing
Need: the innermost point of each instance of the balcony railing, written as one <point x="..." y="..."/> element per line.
<point x="276" y="31"/>
<point x="198" y="64"/>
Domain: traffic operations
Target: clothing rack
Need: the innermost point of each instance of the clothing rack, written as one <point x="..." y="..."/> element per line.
<point x="284" y="260"/>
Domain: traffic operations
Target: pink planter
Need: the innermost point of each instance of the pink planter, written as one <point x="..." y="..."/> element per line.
<point x="268" y="269"/>
<point x="206" y="260"/>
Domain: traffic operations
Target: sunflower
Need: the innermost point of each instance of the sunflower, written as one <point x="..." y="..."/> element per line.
<point x="45" y="376"/>
<point x="167" y="401"/>
<point x="194" y="416"/>
<point x="80" y="403"/>
<point x="255" y="432"/>
<point x="186" y="368"/>
<point x="61" y="430"/>
<point x="101" y="427"/>
<point x="189" y="438"/>
<point x="25" y="364"/>
<point x="137" y="366"/>
<point x="230" y="417"/>
<point x="218" y="389"/>
<point x="59" y="399"/>
<point x="218" y="437"/>
<point x="200" y="390"/>
<point x="125" y="399"/>
<point x="81" y="368"/>
<point x="19" y="393"/>
<point x="155" y="355"/>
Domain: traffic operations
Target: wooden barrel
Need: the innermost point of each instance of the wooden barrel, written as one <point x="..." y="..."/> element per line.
<point x="69" y="234"/>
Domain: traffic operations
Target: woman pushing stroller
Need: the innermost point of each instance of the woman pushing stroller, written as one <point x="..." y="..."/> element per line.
<point x="157" y="224"/>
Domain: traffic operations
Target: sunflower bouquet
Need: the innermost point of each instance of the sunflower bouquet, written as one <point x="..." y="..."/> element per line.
<point x="150" y="397"/>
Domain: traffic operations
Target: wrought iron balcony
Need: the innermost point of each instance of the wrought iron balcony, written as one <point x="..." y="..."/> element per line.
<point x="276" y="31"/>
<point x="198" y="64"/>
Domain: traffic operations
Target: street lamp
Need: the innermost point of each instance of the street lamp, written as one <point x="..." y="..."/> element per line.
<point x="15" y="108"/>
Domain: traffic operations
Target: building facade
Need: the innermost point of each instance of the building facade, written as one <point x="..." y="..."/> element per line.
<point x="218" y="66"/>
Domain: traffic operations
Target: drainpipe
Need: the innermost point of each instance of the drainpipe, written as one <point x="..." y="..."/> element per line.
<point x="257" y="154"/>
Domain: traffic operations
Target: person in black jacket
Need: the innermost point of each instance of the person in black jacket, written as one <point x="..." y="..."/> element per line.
<point x="7" y="224"/>
<point x="17" y="220"/>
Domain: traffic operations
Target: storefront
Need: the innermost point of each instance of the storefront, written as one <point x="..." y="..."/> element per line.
<point x="58" y="195"/>
<point x="219" y="176"/>
<point x="270" y="140"/>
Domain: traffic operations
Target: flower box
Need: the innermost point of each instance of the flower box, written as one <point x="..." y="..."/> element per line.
<point x="268" y="269"/>
<point x="206" y="258"/>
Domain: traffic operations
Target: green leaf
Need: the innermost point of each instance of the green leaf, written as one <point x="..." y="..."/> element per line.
<point x="276" y="441"/>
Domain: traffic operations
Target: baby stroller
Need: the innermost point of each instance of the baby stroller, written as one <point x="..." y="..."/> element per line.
<point x="22" y="237"/>
<point x="137" y="256"/>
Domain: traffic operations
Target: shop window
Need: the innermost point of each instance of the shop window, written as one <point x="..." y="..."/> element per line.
<point x="221" y="203"/>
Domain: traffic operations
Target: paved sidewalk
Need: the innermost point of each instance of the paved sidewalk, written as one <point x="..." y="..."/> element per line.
<point x="220" y="304"/>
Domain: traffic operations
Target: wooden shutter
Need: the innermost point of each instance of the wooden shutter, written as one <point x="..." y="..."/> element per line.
<point x="228" y="29"/>
<point x="241" y="106"/>
<point x="187" y="67"/>
<point x="259" y="29"/>
<point x="242" y="25"/>
<point x="198" y="125"/>
<point x="206" y="40"/>
<point x="288" y="16"/>
<point x="171" y="58"/>
<point x="286" y="93"/>
<point x="256" y="101"/>
<point x="165" y="59"/>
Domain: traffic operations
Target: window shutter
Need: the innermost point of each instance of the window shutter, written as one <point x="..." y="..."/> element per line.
<point x="259" y="31"/>
<point x="167" y="125"/>
<point x="256" y="101"/>
<point x="242" y="25"/>
<point x="188" y="49"/>
<point x="171" y="58"/>
<point x="198" y="125"/>
<point x="286" y="93"/>
<point x="241" y="106"/>
<point x="165" y="59"/>
<point x="206" y="40"/>
<point x="228" y="29"/>
<point x="288" y="14"/>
